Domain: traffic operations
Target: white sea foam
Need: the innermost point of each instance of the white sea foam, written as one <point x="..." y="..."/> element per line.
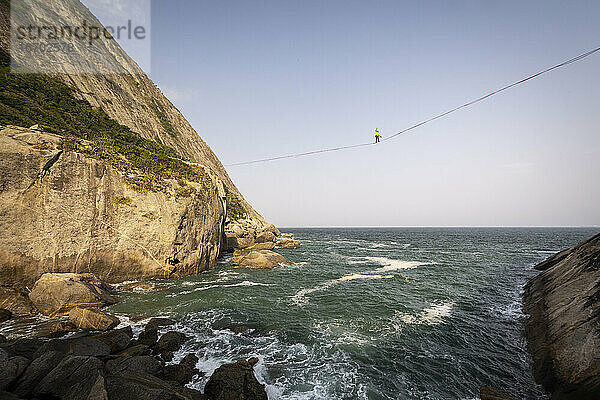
<point x="393" y="265"/>
<point x="432" y="315"/>
<point x="300" y="296"/>
<point x="310" y="366"/>
<point x="243" y="283"/>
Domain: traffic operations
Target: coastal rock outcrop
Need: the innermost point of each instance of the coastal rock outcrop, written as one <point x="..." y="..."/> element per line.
<point x="96" y="367"/>
<point x="563" y="304"/>
<point x="16" y="302"/>
<point x="5" y="315"/>
<point x="57" y="294"/>
<point x="259" y="259"/>
<point x="287" y="243"/>
<point x="82" y="217"/>
<point x="235" y="381"/>
<point x="84" y="203"/>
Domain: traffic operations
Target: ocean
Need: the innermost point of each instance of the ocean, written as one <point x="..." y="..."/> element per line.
<point x="394" y="313"/>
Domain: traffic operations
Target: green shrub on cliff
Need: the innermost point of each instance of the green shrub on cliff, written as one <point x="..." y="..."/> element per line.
<point x="121" y="201"/>
<point x="235" y="210"/>
<point x="28" y="99"/>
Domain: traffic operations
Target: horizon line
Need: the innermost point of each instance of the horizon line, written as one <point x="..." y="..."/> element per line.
<point x="444" y="226"/>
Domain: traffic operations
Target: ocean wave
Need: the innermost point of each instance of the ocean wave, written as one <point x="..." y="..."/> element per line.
<point x="432" y="315"/>
<point x="300" y="297"/>
<point x="393" y="265"/>
<point x="282" y="367"/>
<point x="243" y="283"/>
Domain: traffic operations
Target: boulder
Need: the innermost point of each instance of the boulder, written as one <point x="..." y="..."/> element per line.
<point x="169" y="342"/>
<point x="117" y="340"/>
<point x="287" y="235"/>
<point x="271" y="228"/>
<point x="93" y="320"/>
<point x="156" y="323"/>
<point x="139" y="364"/>
<point x="183" y="372"/>
<point x="72" y="379"/>
<point x="148" y="337"/>
<point x="235" y="381"/>
<point x="134" y="385"/>
<point x="11" y="368"/>
<point x="261" y="259"/>
<point x="80" y="346"/>
<point x="563" y="303"/>
<point x="137" y="350"/>
<point x="36" y="371"/>
<point x="16" y="302"/>
<point x="489" y="393"/>
<point x="24" y="347"/>
<point x="265" y="236"/>
<point x="5" y="315"/>
<point x="286" y="243"/>
<point x="57" y="294"/>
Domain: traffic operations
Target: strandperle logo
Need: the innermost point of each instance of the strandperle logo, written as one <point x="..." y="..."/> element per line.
<point x="85" y="31"/>
<point x="48" y="38"/>
<point x="64" y="36"/>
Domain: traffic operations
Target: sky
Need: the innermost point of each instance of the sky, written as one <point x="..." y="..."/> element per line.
<point x="267" y="78"/>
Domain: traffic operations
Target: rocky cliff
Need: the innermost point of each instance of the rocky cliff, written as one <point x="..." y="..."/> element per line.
<point x="563" y="329"/>
<point x="124" y="92"/>
<point x="79" y="216"/>
<point x="114" y="181"/>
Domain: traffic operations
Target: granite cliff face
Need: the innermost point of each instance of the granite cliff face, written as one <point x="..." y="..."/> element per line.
<point x="127" y="95"/>
<point x="81" y="217"/>
<point x="67" y="202"/>
<point x="563" y="329"/>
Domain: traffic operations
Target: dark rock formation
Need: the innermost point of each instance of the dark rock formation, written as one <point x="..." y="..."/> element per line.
<point x="170" y="341"/>
<point x="235" y="381"/>
<point x="98" y="368"/>
<point x="73" y="378"/>
<point x="5" y="315"/>
<point x="563" y="303"/>
<point x="489" y="393"/>
<point x="144" y="364"/>
<point x="183" y="372"/>
<point x="36" y="371"/>
<point x="117" y="340"/>
<point x="156" y="323"/>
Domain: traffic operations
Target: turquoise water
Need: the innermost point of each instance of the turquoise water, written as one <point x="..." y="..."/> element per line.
<point x="369" y="313"/>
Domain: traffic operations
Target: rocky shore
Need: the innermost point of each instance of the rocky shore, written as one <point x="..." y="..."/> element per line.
<point x="116" y="366"/>
<point x="563" y="329"/>
<point x="80" y="355"/>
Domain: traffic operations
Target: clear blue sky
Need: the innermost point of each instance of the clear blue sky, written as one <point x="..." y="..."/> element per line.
<point x="266" y="78"/>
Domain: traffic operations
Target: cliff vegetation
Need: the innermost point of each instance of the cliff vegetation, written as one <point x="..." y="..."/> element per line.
<point x="27" y="99"/>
